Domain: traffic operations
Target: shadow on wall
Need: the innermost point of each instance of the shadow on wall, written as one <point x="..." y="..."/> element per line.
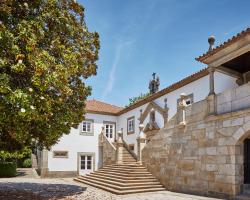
<point x="37" y="191"/>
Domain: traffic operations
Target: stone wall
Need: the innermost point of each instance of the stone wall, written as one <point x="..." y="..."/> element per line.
<point x="203" y="157"/>
<point x="233" y="100"/>
<point x="108" y="150"/>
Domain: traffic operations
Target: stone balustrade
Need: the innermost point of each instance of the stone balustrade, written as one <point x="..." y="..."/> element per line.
<point x="234" y="99"/>
<point x="206" y="156"/>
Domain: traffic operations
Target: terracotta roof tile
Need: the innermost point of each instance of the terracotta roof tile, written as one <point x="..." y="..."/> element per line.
<point x="94" y="106"/>
<point x="223" y="45"/>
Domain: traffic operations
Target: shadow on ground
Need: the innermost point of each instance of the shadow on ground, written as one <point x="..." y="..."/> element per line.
<point x="37" y="191"/>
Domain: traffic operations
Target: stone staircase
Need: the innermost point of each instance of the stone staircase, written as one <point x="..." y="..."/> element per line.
<point x="246" y="193"/>
<point x="126" y="178"/>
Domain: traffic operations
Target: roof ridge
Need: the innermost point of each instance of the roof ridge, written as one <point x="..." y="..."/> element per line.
<point x="105" y="103"/>
<point x="193" y="77"/>
<point x="223" y="45"/>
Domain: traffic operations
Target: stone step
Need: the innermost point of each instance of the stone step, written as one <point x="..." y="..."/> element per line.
<point x="128" y="157"/>
<point x="134" y="166"/>
<point x="123" y="170"/>
<point x="125" y="178"/>
<point x="242" y="197"/>
<point x="246" y="192"/>
<point x="117" y="187"/>
<point x="246" y="186"/>
<point x="128" y="163"/>
<point x="123" y="174"/>
<point x="119" y="183"/>
<point x="129" y="160"/>
<point x="122" y="192"/>
<point x="122" y="180"/>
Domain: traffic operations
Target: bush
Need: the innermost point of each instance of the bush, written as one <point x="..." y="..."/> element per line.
<point x="7" y="169"/>
<point x="27" y="163"/>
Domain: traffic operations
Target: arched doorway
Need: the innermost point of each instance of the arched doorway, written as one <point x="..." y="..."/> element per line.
<point x="247" y="161"/>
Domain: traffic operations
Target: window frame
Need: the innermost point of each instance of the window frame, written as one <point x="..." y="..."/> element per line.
<point x="128" y="125"/>
<point x="131" y="147"/>
<point x="189" y="97"/>
<point x="87" y="133"/>
<point x="113" y="132"/>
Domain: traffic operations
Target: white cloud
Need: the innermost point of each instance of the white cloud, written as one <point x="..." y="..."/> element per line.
<point x="111" y="80"/>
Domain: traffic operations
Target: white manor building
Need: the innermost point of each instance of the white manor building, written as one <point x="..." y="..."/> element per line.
<point x="81" y="145"/>
<point x="95" y="143"/>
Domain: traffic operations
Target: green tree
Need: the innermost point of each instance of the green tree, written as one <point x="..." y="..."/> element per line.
<point x="46" y="53"/>
<point x="138" y="98"/>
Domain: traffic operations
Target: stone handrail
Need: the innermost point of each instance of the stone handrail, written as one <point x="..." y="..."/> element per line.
<point x="108" y="150"/>
<point x="103" y="137"/>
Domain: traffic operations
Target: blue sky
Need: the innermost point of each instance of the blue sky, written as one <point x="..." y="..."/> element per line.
<point x="139" y="37"/>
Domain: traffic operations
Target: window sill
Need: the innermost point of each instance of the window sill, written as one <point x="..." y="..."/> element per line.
<point x="87" y="133"/>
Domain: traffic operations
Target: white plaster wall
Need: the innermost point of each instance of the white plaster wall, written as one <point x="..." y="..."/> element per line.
<point x="223" y="82"/>
<point x="122" y="124"/>
<point x="74" y="143"/>
<point x="199" y="89"/>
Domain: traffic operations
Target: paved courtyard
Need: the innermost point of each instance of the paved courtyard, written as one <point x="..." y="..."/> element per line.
<point x="66" y="189"/>
<point x="28" y="186"/>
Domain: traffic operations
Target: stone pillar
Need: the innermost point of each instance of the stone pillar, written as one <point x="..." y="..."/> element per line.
<point x="166" y="109"/>
<point x="211" y="80"/>
<point x="211" y="104"/>
<point x="211" y="99"/>
<point x="141" y="142"/>
<point x="181" y="107"/>
<point x="44" y="163"/>
<point x="119" y="148"/>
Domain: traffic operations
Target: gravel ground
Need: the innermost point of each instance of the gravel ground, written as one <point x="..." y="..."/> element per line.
<point x="28" y="186"/>
<point x="67" y="189"/>
<point x="49" y="189"/>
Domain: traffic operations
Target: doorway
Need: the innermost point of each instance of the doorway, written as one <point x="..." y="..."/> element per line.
<point x="85" y="164"/>
<point x="247" y="161"/>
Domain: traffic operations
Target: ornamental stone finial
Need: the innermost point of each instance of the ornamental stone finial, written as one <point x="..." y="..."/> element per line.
<point x="211" y="40"/>
<point x="154" y="84"/>
<point x="141" y="126"/>
<point x="166" y="103"/>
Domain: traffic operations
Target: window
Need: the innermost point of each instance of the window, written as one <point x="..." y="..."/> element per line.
<point x="131" y="125"/>
<point x="131" y="147"/>
<point x="87" y="127"/>
<point x="86" y="162"/>
<point x="109" y="129"/>
<point x="60" y="154"/>
<point x="189" y="100"/>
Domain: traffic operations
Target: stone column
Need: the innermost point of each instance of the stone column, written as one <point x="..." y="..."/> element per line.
<point x="141" y="142"/>
<point x="44" y="163"/>
<point x="181" y="107"/>
<point x="119" y="148"/>
<point x="166" y="109"/>
<point x="211" y="71"/>
<point x="211" y="99"/>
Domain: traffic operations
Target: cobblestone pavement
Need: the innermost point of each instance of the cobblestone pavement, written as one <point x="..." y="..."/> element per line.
<point x="66" y="189"/>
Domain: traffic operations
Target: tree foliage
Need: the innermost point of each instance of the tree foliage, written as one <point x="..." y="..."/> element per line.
<point x="138" y="98"/>
<point x="5" y="155"/>
<point x="46" y="53"/>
